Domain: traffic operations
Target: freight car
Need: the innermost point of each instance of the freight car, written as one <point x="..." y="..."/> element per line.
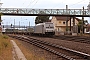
<point x="46" y="28"/>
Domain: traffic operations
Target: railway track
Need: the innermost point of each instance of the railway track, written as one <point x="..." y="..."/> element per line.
<point x="65" y="53"/>
<point x="74" y="38"/>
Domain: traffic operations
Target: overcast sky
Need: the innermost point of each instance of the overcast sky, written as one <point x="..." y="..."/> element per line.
<point x="41" y="4"/>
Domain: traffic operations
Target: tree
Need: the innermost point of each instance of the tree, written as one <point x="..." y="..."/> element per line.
<point x="0" y="18"/>
<point x="41" y="19"/>
<point x="81" y="25"/>
<point x="11" y="25"/>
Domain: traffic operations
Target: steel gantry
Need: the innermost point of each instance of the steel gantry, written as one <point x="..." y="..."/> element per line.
<point x="50" y="12"/>
<point x="72" y="13"/>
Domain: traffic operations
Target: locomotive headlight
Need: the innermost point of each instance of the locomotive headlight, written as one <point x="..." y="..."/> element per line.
<point x="49" y="30"/>
<point x="46" y="30"/>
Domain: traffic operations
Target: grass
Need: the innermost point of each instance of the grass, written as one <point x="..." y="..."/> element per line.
<point x="5" y="48"/>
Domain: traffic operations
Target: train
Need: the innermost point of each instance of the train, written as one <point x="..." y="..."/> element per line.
<point x="46" y="28"/>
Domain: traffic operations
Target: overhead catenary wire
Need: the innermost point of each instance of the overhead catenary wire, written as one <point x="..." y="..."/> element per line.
<point x="57" y="4"/>
<point x="35" y="3"/>
<point x="77" y="3"/>
<point x="23" y="3"/>
<point x="31" y="3"/>
<point x="72" y="4"/>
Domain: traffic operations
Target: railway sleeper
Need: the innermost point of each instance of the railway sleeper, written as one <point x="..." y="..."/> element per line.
<point x="68" y="57"/>
<point x="32" y="43"/>
<point x="36" y="44"/>
<point x="39" y="41"/>
<point x="57" y="46"/>
<point x="50" y="44"/>
<point x="55" y="52"/>
<point x="43" y="47"/>
<point x="52" y="51"/>
<point x="42" y="42"/>
<point x="46" y="43"/>
<point x="65" y="56"/>
<point x="58" y="53"/>
<point x="53" y="45"/>
<point x="48" y="49"/>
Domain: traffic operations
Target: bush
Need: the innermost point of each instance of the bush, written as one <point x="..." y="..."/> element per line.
<point x="5" y="44"/>
<point x="5" y="37"/>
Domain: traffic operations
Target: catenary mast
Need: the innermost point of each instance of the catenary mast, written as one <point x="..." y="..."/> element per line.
<point x="0" y="16"/>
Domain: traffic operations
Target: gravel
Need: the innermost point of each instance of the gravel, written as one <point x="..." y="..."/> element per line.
<point x="40" y="52"/>
<point x="82" y="47"/>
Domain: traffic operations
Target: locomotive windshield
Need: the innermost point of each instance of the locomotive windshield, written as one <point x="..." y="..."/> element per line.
<point x="49" y="25"/>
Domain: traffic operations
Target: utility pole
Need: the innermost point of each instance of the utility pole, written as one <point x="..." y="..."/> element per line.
<point x="29" y="26"/>
<point x="19" y="24"/>
<point x="67" y="18"/>
<point x="14" y="24"/>
<point x="7" y="25"/>
<point x="83" y="21"/>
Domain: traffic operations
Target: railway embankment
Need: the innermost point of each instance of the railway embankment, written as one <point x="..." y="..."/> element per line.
<point x="17" y="53"/>
<point x="5" y="48"/>
<point x="9" y="50"/>
<point x="28" y="51"/>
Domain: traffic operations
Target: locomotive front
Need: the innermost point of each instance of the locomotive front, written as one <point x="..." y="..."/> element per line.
<point x="49" y="28"/>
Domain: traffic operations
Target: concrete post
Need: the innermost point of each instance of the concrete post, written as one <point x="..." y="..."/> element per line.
<point x="70" y="24"/>
<point x="75" y="28"/>
<point x="0" y="24"/>
<point x="73" y="24"/>
<point x="67" y="24"/>
<point x="73" y="21"/>
<point x="67" y="18"/>
<point x="83" y="21"/>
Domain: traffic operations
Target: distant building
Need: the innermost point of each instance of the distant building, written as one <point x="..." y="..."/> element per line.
<point x="60" y="23"/>
<point x="87" y="28"/>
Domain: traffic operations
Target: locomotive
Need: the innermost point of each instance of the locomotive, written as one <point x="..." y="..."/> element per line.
<point x="46" y="28"/>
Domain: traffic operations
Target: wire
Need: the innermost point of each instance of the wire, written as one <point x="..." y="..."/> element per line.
<point x="31" y="2"/>
<point x="23" y="3"/>
<point x="58" y="4"/>
<point x="77" y="3"/>
<point x="73" y="4"/>
<point x="35" y="3"/>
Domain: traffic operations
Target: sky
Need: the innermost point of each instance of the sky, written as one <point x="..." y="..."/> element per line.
<point x="38" y="4"/>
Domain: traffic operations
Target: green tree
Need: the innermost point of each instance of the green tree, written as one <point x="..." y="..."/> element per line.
<point x="11" y="25"/>
<point x="41" y="19"/>
<point x="81" y="25"/>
